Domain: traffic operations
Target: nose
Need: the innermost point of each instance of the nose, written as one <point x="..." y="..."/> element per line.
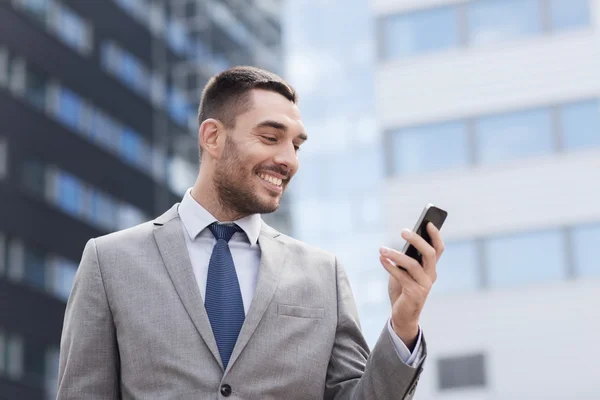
<point x="287" y="157"/>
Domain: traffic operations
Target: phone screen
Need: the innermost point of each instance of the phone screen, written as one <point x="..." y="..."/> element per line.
<point x="432" y="214"/>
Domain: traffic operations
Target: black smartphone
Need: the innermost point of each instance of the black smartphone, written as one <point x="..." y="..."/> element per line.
<point x="432" y="214"/>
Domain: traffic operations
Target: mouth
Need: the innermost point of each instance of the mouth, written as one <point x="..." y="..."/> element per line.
<point x="272" y="182"/>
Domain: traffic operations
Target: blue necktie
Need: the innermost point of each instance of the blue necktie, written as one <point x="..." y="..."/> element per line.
<point x="223" y="303"/>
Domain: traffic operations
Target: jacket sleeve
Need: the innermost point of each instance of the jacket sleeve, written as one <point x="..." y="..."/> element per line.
<point x="355" y="374"/>
<point x="89" y="356"/>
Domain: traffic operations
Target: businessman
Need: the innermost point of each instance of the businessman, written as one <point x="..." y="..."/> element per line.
<point x="209" y="302"/>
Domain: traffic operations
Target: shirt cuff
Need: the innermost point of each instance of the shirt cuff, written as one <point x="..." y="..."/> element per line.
<point x="407" y="358"/>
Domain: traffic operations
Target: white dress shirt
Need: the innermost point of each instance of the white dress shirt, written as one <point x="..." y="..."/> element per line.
<point x="245" y="251"/>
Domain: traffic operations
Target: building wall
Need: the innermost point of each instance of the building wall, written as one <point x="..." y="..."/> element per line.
<point x="536" y="337"/>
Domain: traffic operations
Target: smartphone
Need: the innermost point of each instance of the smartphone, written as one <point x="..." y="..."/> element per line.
<point x="432" y="214"/>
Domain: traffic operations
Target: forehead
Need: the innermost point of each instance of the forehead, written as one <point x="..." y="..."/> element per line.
<point x="272" y="105"/>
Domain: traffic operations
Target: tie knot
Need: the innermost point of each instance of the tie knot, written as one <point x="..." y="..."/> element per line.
<point x="222" y="231"/>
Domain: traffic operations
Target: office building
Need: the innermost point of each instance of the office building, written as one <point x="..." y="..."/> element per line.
<point x="98" y="106"/>
<point x="490" y="109"/>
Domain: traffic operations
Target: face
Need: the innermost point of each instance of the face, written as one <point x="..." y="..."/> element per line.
<point x="260" y="155"/>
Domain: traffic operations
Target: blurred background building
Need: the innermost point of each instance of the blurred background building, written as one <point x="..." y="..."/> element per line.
<point x="98" y="133"/>
<point x="490" y="109"/>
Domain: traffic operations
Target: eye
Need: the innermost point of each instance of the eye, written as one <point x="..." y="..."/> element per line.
<point x="296" y="147"/>
<point x="270" y="139"/>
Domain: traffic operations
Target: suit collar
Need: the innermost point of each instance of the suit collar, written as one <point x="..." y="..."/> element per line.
<point x="196" y="218"/>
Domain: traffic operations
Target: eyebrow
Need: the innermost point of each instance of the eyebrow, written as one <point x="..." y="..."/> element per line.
<point x="279" y="126"/>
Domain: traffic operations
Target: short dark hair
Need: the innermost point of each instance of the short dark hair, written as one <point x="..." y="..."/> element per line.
<point x="227" y="94"/>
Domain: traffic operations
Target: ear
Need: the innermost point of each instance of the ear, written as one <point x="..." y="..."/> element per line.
<point x="210" y="137"/>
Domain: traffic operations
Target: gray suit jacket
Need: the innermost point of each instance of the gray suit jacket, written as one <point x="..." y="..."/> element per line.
<point x="136" y="328"/>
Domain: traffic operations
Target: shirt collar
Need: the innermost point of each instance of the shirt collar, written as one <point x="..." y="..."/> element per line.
<point x="196" y="218"/>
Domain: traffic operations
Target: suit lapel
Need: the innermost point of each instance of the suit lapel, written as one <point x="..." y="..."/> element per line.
<point x="271" y="265"/>
<point x="171" y="244"/>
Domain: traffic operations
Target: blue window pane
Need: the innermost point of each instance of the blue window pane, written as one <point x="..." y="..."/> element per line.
<point x="580" y="123"/>
<point x="35" y="268"/>
<point x="70" y="193"/>
<point x="497" y="20"/>
<point x="71" y="28"/>
<point x="420" y="32"/>
<point x="429" y="148"/>
<point x="513" y="136"/>
<point x="585" y="241"/>
<point x="70" y="109"/>
<point x="178" y="106"/>
<point x="105" y="130"/>
<point x="130" y="145"/>
<point x="103" y="210"/>
<point x="64" y="275"/>
<point x="458" y="268"/>
<point x="569" y="14"/>
<point x="526" y="258"/>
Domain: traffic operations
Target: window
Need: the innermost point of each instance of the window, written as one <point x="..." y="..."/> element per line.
<point x="2" y="353"/>
<point x="458" y="269"/>
<point x="72" y="29"/>
<point x="3" y="158"/>
<point x="461" y="372"/>
<point x="70" y="109"/>
<point x="580" y="124"/>
<point x="2" y="257"/>
<point x="16" y="260"/>
<point x="138" y="9"/>
<point x="63" y="274"/>
<point x="38" y="8"/>
<point x="35" y="89"/>
<point x="70" y="193"/>
<point x="429" y="148"/>
<point x="105" y="130"/>
<point x="526" y="258"/>
<point x="14" y="357"/>
<point x="3" y="66"/>
<point x="130" y="145"/>
<point x="33" y="177"/>
<point x="51" y="372"/>
<point x="497" y="20"/>
<point x="419" y="32"/>
<point x="129" y="216"/>
<point x="178" y="106"/>
<point x="512" y="136"/>
<point x="125" y="66"/>
<point x="34" y="268"/>
<point x="585" y="241"/>
<point x="569" y="14"/>
<point x="177" y="37"/>
<point x="103" y="209"/>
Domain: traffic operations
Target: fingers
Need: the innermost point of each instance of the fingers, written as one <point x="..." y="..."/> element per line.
<point x="430" y="254"/>
<point x="408" y="284"/>
<point x="436" y="240"/>
<point x="404" y="265"/>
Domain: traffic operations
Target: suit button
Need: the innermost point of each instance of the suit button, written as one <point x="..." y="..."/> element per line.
<point x="225" y="390"/>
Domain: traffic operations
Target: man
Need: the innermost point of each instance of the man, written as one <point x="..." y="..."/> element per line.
<point x="207" y="301"/>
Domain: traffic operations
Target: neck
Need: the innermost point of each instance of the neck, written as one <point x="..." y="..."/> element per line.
<point x="205" y="194"/>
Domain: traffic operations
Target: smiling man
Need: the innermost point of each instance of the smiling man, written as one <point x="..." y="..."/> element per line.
<point x="207" y="301"/>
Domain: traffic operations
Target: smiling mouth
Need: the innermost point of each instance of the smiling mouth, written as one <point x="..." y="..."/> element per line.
<point x="277" y="182"/>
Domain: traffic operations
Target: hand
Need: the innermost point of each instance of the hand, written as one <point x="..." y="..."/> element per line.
<point x="409" y="288"/>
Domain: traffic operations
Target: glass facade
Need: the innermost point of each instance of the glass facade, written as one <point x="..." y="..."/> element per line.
<point x="492" y="21"/>
<point x="429" y="148"/>
<point x="487" y="22"/>
<point x="420" y="32"/>
<point x="496" y="138"/>
<point x="526" y="258"/>
<point x="512" y="136"/>
<point x="584" y="241"/>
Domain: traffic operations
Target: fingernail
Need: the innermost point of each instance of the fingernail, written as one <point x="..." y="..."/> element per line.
<point x="384" y="251"/>
<point x="406" y="233"/>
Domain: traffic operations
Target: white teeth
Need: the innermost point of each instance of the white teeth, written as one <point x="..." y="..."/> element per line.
<point x="271" y="179"/>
